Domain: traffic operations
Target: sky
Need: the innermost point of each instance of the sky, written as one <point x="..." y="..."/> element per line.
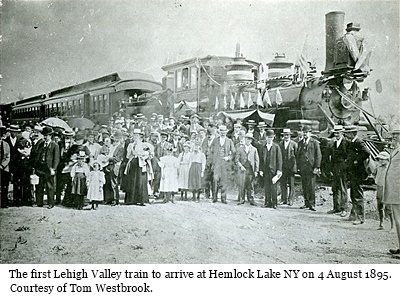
<point x="47" y="45"/>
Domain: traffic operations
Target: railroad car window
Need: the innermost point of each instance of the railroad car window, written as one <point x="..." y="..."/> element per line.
<point x="185" y="78"/>
<point x="193" y="77"/>
<point x="80" y="105"/>
<point x="106" y="106"/>
<point x="105" y="97"/>
<point x="178" y="79"/>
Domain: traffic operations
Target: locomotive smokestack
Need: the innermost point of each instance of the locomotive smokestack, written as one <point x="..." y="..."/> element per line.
<point x="334" y="28"/>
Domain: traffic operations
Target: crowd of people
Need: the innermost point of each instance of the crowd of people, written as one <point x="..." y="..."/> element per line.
<point x="160" y="158"/>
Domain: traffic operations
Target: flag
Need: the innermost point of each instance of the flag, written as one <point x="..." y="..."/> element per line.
<point x="249" y="101"/>
<point x="278" y="97"/>
<point x="267" y="100"/>
<point x="225" y="103"/>
<point x="232" y="104"/>
<point x="302" y="60"/>
<point x="259" y="100"/>
<point x="216" y="103"/>
<point x="241" y="101"/>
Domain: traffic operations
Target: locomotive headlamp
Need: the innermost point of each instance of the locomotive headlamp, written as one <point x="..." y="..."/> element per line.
<point x="327" y="93"/>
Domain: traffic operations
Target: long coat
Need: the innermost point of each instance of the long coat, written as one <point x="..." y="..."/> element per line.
<point x="311" y="155"/>
<point x="275" y="160"/>
<point x="51" y="157"/>
<point x="391" y="194"/>
<point x="357" y="153"/>
<point x="251" y="156"/>
<point x="214" y="153"/>
<point x="289" y="156"/>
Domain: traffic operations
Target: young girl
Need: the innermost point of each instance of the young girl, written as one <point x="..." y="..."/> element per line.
<point x="95" y="182"/>
<point x="169" y="175"/>
<point x="184" y="163"/>
<point x="196" y="171"/>
<point x="79" y="171"/>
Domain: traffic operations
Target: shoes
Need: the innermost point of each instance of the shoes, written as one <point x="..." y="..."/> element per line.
<point x="290" y="203"/>
<point x="358" y="222"/>
<point x="284" y="202"/>
<point x="50" y="207"/>
<point x="312" y="209"/>
<point x="252" y="203"/>
<point x="351" y="218"/>
<point x="392" y="251"/>
<point x="224" y="201"/>
<point x="343" y="214"/>
<point x="304" y="207"/>
<point x="332" y="212"/>
<point x="240" y="202"/>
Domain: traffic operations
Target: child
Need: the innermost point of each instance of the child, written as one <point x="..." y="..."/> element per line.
<point x="184" y="163"/>
<point x="380" y="173"/>
<point x="95" y="182"/>
<point x="79" y="171"/>
<point x="196" y="171"/>
<point x="169" y="175"/>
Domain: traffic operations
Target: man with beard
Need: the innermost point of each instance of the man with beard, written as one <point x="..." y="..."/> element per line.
<point x="308" y="162"/>
<point x="222" y="152"/>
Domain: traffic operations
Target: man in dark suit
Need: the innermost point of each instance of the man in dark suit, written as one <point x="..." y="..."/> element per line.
<point x="271" y="169"/>
<point x="289" y="167"/>
<point x="222" y="152"/>
<point x="309" y="162"/>
<point x="12" y="141"/>
<point x="4" y="168"/>
<point x="48" y="159"/>
<point x="357" y="153"/>
<point x="338" y="159"/>
<point x="251" y="124"/>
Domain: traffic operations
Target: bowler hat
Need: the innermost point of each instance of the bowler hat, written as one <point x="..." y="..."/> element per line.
<point x="270" y="133"/>
<point x="47" y="131"/>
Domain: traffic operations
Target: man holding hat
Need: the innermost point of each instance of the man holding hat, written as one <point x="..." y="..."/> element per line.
<point x="271" y="169"/>
<point x="222" y="152"/>
<point x="308" y="161"/>
<point x="247" y="161"/>
<point x="4" y="167"/>
<point x="289" y="168"/>
<point x="48" y="159"/>
<point x="391" y="194"/>
<point x="357" y="153"/>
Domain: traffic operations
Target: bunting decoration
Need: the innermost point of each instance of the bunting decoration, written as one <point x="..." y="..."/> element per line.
<point x="259" y="100"/>
<point x="249" y="101"/>
<point x="225" y="103"/>
<point x="232" y="104"/>
<point x="241" y="101"/>
<point x="216" y="103"/>
<point x="267" y="100"/>
<point x="278" y="97"/>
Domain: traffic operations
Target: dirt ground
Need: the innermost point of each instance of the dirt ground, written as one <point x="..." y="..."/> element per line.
<point x="194" y="232"/>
